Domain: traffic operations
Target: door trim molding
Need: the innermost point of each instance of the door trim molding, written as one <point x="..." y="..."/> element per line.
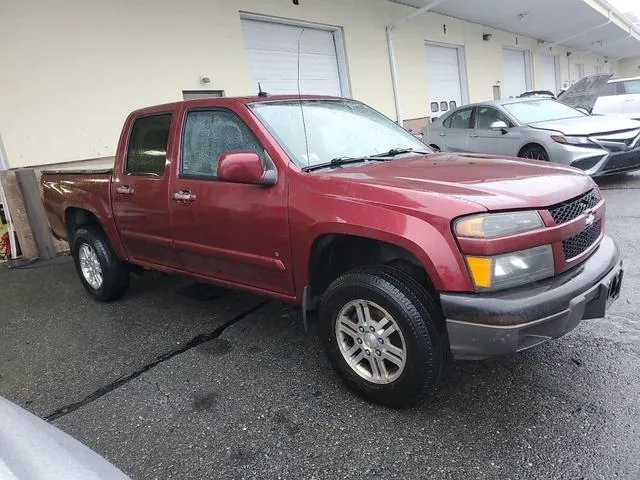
<point x="267" y="263"/>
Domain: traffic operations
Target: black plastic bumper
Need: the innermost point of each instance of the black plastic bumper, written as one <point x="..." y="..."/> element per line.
<point x="484" y="325"/>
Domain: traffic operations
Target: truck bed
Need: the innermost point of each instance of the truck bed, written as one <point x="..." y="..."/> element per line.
<point x="83" y="189"/>
<point x="77" y="171"/>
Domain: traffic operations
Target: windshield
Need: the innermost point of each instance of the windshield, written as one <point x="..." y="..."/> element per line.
<point x="334" y="129"/>
<point x="541" y="111"/>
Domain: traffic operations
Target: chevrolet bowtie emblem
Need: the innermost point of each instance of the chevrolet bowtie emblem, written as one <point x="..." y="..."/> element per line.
<point x="591" y="217"/>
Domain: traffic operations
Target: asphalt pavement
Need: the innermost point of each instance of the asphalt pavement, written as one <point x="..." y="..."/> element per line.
<point x="166" y="386"/>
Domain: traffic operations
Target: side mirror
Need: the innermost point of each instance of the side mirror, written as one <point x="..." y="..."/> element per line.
<point x="244" y="167"/>
<point x="498" y="125"/>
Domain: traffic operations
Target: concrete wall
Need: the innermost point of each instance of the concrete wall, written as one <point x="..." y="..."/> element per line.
<point x="73" y="69"/>
<point x="628" y="68"/>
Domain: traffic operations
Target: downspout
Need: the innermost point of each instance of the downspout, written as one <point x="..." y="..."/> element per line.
<point x="3" y="200"/>
<point x="579" y="34"/>
<point x="392" y="56"/>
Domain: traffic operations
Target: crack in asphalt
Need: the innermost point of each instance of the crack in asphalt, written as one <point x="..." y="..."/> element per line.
<point x="194" y="342"/>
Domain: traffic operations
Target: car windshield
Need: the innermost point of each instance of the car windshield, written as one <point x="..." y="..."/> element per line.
<point x="541" y="110"/>
<point x="335" y="129"/>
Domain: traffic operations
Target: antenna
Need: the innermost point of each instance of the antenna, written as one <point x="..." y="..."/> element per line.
<point x="260" y="92"/>
<point x="304" y="123"/>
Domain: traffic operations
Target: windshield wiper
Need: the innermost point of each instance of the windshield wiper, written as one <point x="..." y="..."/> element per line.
<point x="338" y="162"/>
<point x="397" y="151"/>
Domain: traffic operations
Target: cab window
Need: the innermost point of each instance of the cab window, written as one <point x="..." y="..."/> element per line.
<point x="147" y="152"/>
<point x="461" y="119"/>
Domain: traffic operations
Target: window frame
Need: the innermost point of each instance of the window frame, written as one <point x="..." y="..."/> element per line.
<point x="125" y="171"/>
<point x="214" y="177"/>
<point x="471" y="119"/>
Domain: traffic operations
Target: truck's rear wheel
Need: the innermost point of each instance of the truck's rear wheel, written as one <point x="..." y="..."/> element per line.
<point x="379" y="328"/>
<point x="101" y="272"/>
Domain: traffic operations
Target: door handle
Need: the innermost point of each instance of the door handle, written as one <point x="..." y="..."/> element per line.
<point x="124" y="190"/>
<point x="442" y="134"/>
<point x="184" y="196"/>
<point x="473" y="135"/>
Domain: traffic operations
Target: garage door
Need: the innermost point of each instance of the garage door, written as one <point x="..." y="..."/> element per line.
<point x="577" y="72"/>
<point x="272" y="51"/>
<point x="548" y="74"/>
<point x="444" y="85"/>
<point x="515" y="73"/>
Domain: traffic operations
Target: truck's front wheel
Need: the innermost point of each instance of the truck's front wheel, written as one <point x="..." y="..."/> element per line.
<point x="380" y="330"/>
<point x="102" y="273"/>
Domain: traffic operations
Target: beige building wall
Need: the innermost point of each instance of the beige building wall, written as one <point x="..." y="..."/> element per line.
<point x="72" y="70"/>
<point x="628" y="68"/>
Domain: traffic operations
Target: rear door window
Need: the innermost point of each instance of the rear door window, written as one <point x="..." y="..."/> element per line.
<point x="147" y="152"/>
<point x="461" y="119"/>
<point x="631" y="86"/>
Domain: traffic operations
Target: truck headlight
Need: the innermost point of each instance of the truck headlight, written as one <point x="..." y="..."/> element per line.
<point x="493" y="225"/>
<point x="511" y="269"/>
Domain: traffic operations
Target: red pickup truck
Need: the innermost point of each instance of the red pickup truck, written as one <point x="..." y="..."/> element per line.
<point x="412" y="257"/>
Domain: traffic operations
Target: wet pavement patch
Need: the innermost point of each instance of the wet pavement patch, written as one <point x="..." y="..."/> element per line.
<point x="217" y="346"/>
<point x="205" y="402"/>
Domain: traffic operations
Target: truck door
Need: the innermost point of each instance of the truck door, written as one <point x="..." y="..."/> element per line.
<point x="140" y="192"/>
<point x="228" y="231"/>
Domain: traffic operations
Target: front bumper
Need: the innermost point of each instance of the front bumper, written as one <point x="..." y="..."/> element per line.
<point x="487" y="324"/>
<point x="600" y="161"/>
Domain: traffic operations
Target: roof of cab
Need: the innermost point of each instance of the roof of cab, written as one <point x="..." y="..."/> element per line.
<point x="220" y="101"/>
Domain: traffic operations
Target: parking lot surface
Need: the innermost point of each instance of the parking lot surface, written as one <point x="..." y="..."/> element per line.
<point x="166" y="386"/>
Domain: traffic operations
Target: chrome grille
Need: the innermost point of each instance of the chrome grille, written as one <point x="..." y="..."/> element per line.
<point x="566" y="211"/>
<point x="619" y="141"/>
<point x="574" y="246"/>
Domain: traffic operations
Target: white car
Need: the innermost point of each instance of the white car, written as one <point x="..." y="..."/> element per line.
<point x="619" y="97"/>
<point x="32" y="449"/>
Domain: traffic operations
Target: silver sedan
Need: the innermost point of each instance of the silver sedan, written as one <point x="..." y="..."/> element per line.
<point x="541" y="129"/>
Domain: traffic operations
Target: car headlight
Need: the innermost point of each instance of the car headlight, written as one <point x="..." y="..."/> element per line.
<point x="573" y="140"/>
<point x="493" y="225"/>
<point x="511" y="269"/>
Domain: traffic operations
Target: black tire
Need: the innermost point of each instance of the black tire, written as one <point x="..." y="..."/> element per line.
<point x="115" y="273"/>
<point x="419" y="319"/>
<point x="535" y="152"/>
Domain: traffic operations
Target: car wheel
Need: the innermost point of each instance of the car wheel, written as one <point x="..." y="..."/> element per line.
<point x="535" y="152"/>
<point x="102" y="273"/>
<point x="383" y="333"/>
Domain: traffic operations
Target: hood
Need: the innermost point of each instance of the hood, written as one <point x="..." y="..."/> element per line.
<point x="585" y="92"/>
<point x="588" y="125"/>
<point x="495" y="183"/>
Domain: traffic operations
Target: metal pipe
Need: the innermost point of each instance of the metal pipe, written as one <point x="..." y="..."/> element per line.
<point x="7" y="213"/>
<point x="392" y="55"/>
<point x="579" y="34"/>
